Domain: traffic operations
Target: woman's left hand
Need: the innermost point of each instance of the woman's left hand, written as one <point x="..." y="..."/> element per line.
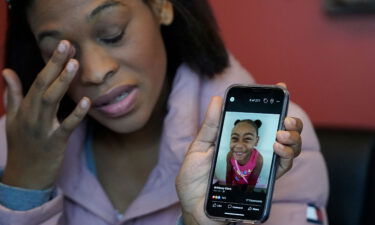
<point x="192" y="180"/>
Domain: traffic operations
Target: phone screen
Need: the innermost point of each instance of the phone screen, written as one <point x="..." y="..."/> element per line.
<point x="244" y="167"/>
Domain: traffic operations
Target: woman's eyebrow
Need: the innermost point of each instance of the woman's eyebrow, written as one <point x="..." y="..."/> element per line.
<point x="100" y="8"/>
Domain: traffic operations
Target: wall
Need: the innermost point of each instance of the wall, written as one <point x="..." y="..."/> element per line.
<point x="328" y="62"/>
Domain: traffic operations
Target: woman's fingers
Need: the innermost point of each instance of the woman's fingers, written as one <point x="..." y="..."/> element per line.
<point x="293" y="124"/>
<point x="51" y="71"/>
<point x="286" y="154"/>
<point x="292" y="134"/>
<point x="288" y="144"/>
<point x="14" y="91"/>
<point x="37" y="102"/>
<point x="207" y="134"/>
<point x="49" y="87"/>
<point x="291" y="139"/>
<point x="284" y="151"/>
<point x="53" y="95"/>
<point x="72" y="121"/>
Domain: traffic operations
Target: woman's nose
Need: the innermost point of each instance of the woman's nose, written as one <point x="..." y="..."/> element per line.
<point x="96" y="64"/>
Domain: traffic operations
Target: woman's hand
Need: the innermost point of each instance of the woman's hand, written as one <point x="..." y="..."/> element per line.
<point x="192" y="181"/>
<point x="36" y="140"/>
<point x="288" y="142"/>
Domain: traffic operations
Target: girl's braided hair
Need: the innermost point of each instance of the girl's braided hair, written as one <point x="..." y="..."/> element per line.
<point x="255" y="123"/>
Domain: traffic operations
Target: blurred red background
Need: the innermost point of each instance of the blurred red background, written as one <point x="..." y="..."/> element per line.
<point x="325" y="60"/>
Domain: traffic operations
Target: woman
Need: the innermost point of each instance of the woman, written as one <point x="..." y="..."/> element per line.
<point x="141" y="70"/>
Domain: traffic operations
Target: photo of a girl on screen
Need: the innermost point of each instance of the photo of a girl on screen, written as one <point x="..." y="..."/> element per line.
<point x="244" y="162"/>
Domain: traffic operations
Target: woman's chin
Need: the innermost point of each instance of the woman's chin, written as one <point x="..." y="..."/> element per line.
<point x="123" y="129"/>
<point x="123" y="125"/>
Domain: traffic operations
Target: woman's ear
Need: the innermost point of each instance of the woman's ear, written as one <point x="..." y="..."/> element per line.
<point x="163" y="10"/>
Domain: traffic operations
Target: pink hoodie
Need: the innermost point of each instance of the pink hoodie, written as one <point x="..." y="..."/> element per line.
<point x="81" y="199"/>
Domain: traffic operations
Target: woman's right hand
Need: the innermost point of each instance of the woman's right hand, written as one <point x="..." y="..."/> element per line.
<point x="36" y="140"/>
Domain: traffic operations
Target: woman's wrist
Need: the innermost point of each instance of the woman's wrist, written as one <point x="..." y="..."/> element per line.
<point x="188" y="219"/>
<point x="34" y="179"/>
<point x="21" y="199"/>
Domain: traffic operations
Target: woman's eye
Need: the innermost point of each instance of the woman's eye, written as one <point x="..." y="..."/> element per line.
<point x="234" y="139"/>
<point x="114" y="39"/>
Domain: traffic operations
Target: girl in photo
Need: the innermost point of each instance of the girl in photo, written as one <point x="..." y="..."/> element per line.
<point x="110" y="115"/>
<point x="244" y="162"/>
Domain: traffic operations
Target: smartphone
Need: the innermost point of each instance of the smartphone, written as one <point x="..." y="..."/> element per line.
<point x="244" y="165"/>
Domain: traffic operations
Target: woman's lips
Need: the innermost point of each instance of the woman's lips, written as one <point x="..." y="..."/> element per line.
<point x="117" y="102"/>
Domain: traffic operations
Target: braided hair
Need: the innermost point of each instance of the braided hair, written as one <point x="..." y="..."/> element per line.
<point x="255" y="123"/>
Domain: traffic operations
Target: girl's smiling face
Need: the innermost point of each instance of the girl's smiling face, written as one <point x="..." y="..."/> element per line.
<point x="120" y="51"/>
<point x="244" y="138"/>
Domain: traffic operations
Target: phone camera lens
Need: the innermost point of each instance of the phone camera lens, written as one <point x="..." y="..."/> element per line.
<point x="231" y="99"/>
<point x="265" y="100"/>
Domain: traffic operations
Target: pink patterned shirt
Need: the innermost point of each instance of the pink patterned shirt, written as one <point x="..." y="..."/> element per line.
<point x="243" y="174"/>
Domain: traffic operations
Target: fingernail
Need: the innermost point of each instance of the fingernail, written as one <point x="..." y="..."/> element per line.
<point x="84" y="103"/>
<point x="71" y="66"/>
<point x="62" y="47"/>
<point x="290" y="121"/>
<point x="279" y="146"/>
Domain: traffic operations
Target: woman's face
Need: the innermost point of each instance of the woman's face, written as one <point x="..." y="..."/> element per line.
<point x="120" y="51"/>
<point x="243" y="139"/>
